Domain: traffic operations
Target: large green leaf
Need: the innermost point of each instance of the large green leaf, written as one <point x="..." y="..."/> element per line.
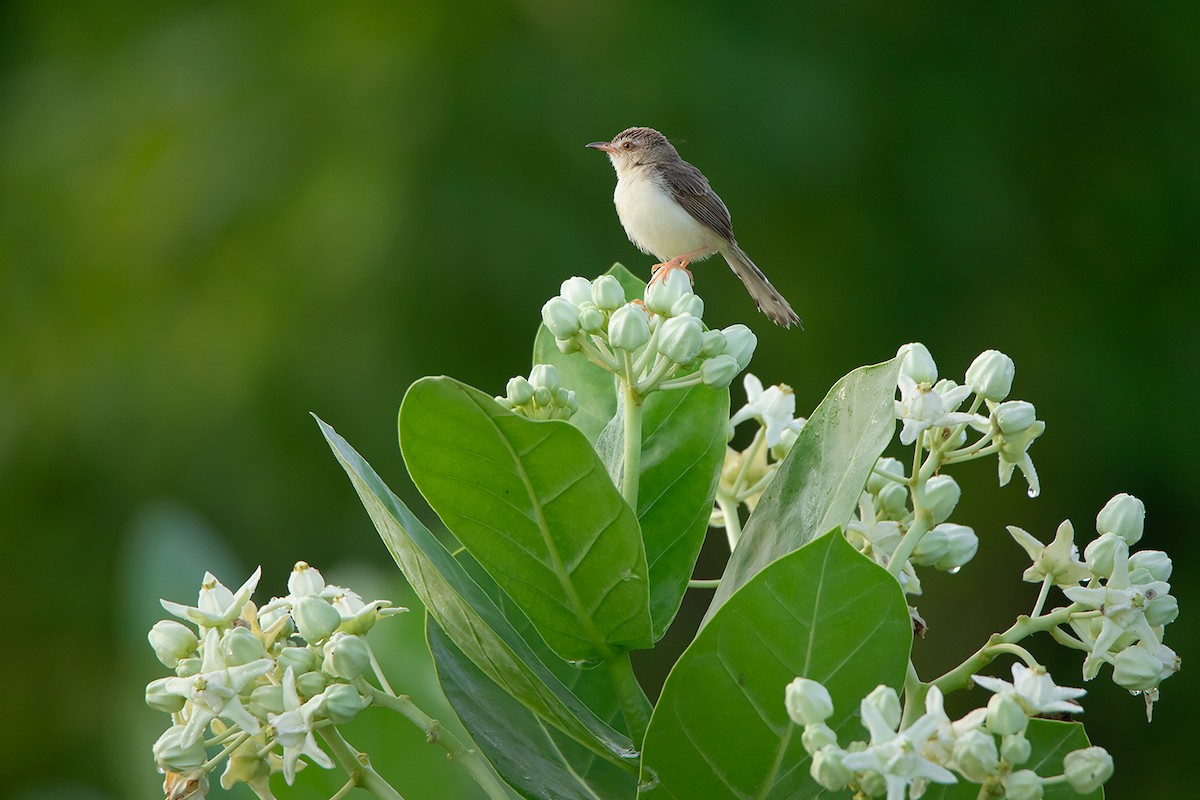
<point x="683" y="448"/>
<point x="819" y="482"/>
<point x="1050" y="741"/>
<point x="534" y="758"/>
<point x="534" y="506"/>
<point x="469" y="617"/>
<point x="720" y="728"/>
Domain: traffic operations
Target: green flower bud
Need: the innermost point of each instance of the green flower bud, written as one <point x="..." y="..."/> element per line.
<point x="158" y="698"/>
<point x="1162" y="610"/>
<point x="991" y="375"/>
<point x="311" y="684"/>
<point x="963" y="544"/>
<point x="305" y="580"/>
<point x="1143" y="666"/>
<point x="542" y="396"/>
<point x="576" y="290"/>
<point x="607" y="293"/>
<point x="1023" y="785"/>
<point x="591" y="319"/>
<point x="188" y="667"/>
<point x="680" y="339"/>
<point x="828" y="770"/>
<point x="719" y="371"/>
<point x="266" y="700"/>
<point x="941" y="496"/>
<point x="1156" y="563"/>
<point x="628" y="329"/>
<point x="1015" y="748"/>
<point x="561" y="318"/>
<point x="172" y="642"/>
<point x="346" y="656"/>
<point x="661" y="295"/>
<point x="300" y="659"/>
<point x="714" y="344"/>
<point x="315" y="618"/>
<point x="890" y="466"/>
<point x="1014" y="416"/>
<point x="885" y="700"/>
<point x="918" y="363"/>
<point x="1005" y="716"/>
<point x="1088" y="769"/>
<point x="872" y="784"/>
<point x="740" y="342"/>
<point x="240" y="646"/>
<point x="1100" y="554"/>
<point x="568" y="346"/>
<point x="519" y="391"/>
<point x="816" y="736"/>
<point x="1123" y="515"/>
<point x="544" y="375"/>
<point x="893" y="500"/>
<point x="807" y="702"/>
<point x="342" y="703"/>
<point x="688" y="304"/>
<point x="976" y="756"/>
<point x="171" y="756"/>
<point x="933" y="547"/>
<point x="245" y="765"/>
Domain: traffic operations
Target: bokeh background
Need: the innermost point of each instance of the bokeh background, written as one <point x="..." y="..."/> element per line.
<point x="216" y="218"/>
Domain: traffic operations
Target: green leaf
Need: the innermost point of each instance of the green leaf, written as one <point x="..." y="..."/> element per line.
<point x="1051" y="741"/>
<point x="534" y="506"/>
<point x="534" y="758"/>
<point x="720" y="728"/>
<point x="468" y="615"/>
<point x="819" y="482"/>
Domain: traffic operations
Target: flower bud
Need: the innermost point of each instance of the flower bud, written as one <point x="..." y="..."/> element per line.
<point x="885" y="700"/>
<point x="315" y="618"/>
<point x="266" y="700"/>
<point x="607" y="293"/>
<point x="893" y="500"/>
<point x="311" y="684"/>
<point x="975" y="756"/>
<point x="542" y="396"/>
<point x="872" y="784"/>
<point x="591" y="319"/>
<point x="341" y="703"/>
<point x="346" y="656"/>
<point x="740" y="342"/>
<point x="544" y="375"/>
<point x="1005" y="715"/>
<point x="1123" y="515"/>
<point x="991" y="375"/>
<point x="817" y="735"/>
<point x="171" y="756"/>
<point x="1015" y="748"/>
<point x="628" y="329"/>
<point x="172" y="642"/>
<point x="240" y="646"/>
<point x="918" y="363"/>
<point x="681" y="338"/>
<point x="1156" y="563"/>
<point x="567" y="346"/>
<point x="1023" y="784"/>
<point x="1088" y="769"/>
<point x="828" y="770"/>
<point x="305" y="580"/>
<point x="576" y="290"/>
<point x="941" y="496"/>
<point x="688" y="304"/>
<point x="519" y="391"/>
<point x="1162" y="610"/>
<point x="952" y="397"/>
<point x="889" y="466"/>
<point x="158" y="698"/>
<point x="807" y="701"/>
<point x="963" y="544"/>
<point x="662" y="294"/>
<point x="714" y="344"/>
<point x="1143" y="666"/>
<point x="787" y="438"/>
<point x="1100" y="554"/>
<point x="300" y="659"/>
<point x="188" y="667"/>
<point x="561" y="318"/>
<point x="933" y="547"/>
<point x="719" y="371"/>
<point x="1014" y="416"/>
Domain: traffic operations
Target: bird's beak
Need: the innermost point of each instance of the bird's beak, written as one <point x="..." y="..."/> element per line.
<point x="605" y="146"/>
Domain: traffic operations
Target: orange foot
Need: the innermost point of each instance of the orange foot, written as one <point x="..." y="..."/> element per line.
<point x="660" y="271"/>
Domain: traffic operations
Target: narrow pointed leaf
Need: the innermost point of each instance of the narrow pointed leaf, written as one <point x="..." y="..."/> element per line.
<point x="720" y="728"/>
<point x="534" y="506"/>
<point x="819" y="482"/>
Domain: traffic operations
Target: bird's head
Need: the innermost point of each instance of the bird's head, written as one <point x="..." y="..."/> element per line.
<point x="635" y="147"/>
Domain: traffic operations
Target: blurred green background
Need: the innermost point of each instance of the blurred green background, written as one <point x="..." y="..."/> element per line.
<point x="216" y="218"/>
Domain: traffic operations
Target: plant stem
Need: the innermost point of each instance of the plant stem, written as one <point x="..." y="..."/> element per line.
<point x="358" y="766"/>
<point x="632" y="471"/>
<point x="914" y="696"/>
<point x="634" y="705"/>
<point x="733" y="523"/>
<point x="468" y="758"/>
<point x="1041" y="600"/>
<point x="704" y="583"/>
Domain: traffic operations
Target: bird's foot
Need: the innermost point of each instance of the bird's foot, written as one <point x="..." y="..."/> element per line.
<point x="660" y="271"/>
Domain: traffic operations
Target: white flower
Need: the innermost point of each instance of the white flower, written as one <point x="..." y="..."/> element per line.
<point x="807" y="701"/>
<point x="216" y="606"/>
<point x="1058" y="560"/>
<point x="1035" y="689"/>
<point x="214" y="691"/>
<point x="294" y="729"/>
<point x="359" y="617"/>
<point x="774" y="408"/>
<point x="921" y="407"/>
<point x="896" y="756"/>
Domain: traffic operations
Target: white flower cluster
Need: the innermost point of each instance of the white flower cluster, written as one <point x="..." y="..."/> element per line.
<point x="258" y="680"/>
<point x="541" y="396"/>
<point x="1125" y="604"/>
<point x="655" y="343"/>
<point x="986" y="746"/>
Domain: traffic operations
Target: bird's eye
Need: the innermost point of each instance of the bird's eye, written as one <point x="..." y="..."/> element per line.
<point x="627" y="145"/>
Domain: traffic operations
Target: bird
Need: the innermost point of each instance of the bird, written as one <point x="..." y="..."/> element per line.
<point x="669" y="211"/>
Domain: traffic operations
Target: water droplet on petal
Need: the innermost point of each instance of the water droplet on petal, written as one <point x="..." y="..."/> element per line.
<point x="954" y="570"/>
<point x="1032" y="492"/>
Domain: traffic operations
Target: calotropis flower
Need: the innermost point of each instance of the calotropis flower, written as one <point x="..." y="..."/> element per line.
<point x="294" y="729"/>
<point x="774" y="407"/>
<point x="1035" y="690"/>
<point x="1058" y="560"/>
<point x="216" y="607"/>
<point x="213" y="693"/>
<point x="921" y="407"/>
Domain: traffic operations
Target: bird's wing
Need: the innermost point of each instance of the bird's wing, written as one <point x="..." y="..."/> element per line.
<point x="691" y="190"/>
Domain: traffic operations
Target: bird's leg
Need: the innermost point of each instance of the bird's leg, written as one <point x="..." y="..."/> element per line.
<point x="660" y="271"/>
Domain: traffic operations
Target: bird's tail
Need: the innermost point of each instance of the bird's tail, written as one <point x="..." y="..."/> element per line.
<point x="765" y="295"/>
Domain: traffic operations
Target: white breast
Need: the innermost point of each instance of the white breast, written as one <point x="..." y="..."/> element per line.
<point x="654" y="221"/>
